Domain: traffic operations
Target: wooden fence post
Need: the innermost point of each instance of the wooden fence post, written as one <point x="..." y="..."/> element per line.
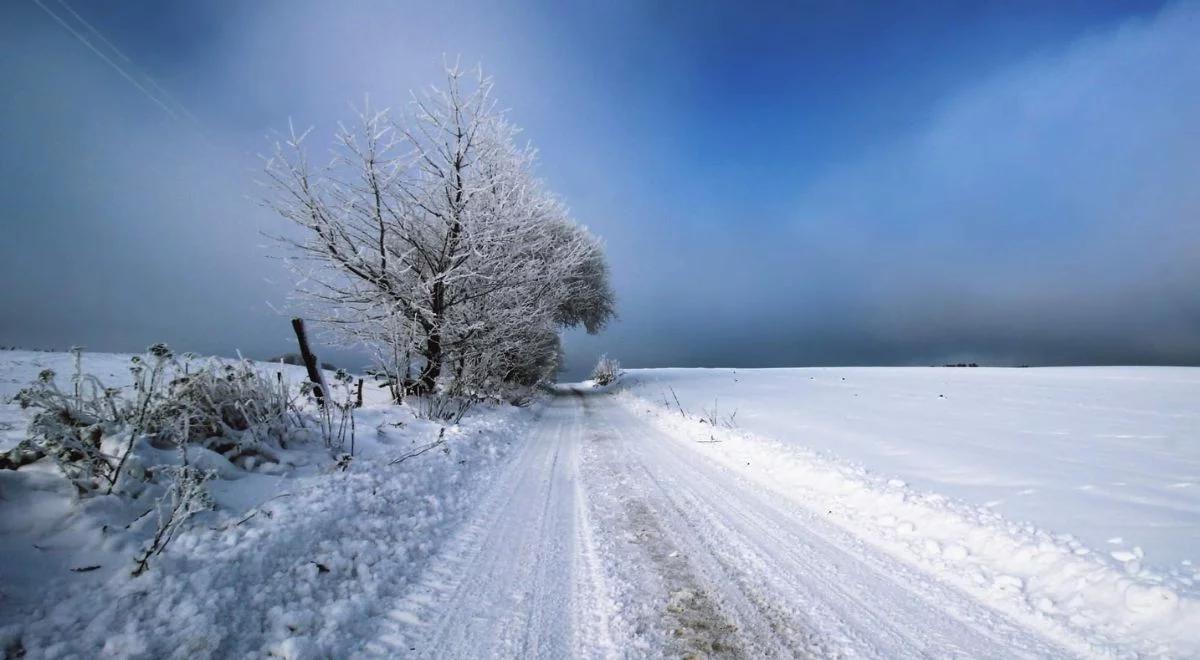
<point x="310" y="361"/>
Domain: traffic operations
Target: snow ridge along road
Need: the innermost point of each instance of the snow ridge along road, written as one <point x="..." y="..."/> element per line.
<point x="605" y="538"/>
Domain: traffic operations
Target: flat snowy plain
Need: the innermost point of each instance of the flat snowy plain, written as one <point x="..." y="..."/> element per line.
<point x="1066" y="497"/>
<point x="884" y="513"/>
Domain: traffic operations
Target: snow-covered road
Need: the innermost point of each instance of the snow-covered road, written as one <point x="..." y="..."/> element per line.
<point x="514" y="581"/>
<point x="603" y="537"/>
<point x="641" y="522"/>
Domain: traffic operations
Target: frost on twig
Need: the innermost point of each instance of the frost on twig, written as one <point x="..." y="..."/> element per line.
<point x="440" y="442"/>
<point x="186" y="496"/>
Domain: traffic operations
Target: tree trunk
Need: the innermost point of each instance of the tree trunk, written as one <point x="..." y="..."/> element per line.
<point x="433" y="338"/>
<point x="433" y="362"/>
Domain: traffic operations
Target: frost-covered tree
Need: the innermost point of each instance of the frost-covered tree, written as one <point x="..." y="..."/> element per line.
<point x="430" y="240"/>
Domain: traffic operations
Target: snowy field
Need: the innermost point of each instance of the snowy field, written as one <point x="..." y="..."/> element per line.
<point x="1078" y="489"/>
<point x="1109" y="454"/>
<point x="879" y="513"/>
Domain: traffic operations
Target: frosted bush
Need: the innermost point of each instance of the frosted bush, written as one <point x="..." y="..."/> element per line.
<point x="231" y="408"/>
<point x="92" y="430"/>
<point x="606" y="371"/>
<point x="335" y="418"/>
<point x="70" y="427"/>
<point x="443" y="407"/>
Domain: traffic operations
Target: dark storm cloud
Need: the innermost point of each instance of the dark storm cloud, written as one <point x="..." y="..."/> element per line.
<point x="850" y="199"/>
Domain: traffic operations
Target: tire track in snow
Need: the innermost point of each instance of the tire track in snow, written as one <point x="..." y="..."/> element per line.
<point x="508" y="585"/>
<point x="701" y="615"/>
<point x="783" y="573"/>
<point x="605" y="538"/>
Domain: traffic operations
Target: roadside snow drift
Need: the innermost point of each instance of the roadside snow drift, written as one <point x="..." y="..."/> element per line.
<point x="295" y="563"/>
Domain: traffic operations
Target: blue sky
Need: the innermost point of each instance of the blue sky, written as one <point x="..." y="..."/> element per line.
<point x="778" y="184"/>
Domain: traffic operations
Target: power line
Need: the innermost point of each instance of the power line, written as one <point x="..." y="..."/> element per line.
<point x="144" y="83"/>
<point x="179" y="107"/>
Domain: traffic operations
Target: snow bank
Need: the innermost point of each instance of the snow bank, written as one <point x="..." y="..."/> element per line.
<point x="299" y="564"/>
<point x="948" y="449"/>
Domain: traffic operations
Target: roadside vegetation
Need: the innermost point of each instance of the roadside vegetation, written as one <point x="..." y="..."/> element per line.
<point x="424" y="238"/>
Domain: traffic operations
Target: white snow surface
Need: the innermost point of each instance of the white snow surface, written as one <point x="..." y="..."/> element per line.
<point x="829" y="518"/>
<point x="297" y="564"/>
<point x="1071" y="495"/>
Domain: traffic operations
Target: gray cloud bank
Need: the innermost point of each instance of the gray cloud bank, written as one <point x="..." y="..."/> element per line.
<point x="1049" y="214"/>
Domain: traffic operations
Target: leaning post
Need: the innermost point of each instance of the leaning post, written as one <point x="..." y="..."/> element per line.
<point x="310" y="361"/>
